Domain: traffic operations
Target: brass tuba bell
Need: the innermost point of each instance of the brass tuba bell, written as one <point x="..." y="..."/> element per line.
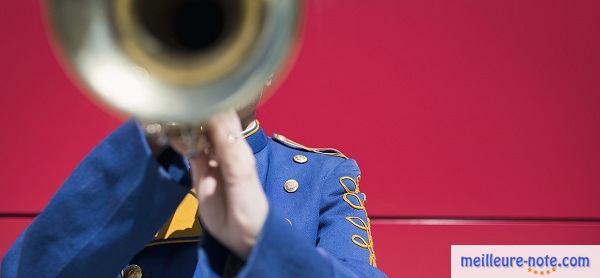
<point x="175" y="60"/>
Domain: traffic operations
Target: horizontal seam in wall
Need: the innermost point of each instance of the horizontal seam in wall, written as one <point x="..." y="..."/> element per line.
<point x="480" y="220"/>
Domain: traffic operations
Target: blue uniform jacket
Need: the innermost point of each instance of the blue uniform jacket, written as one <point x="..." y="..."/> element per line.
<point x="122" y="210"/>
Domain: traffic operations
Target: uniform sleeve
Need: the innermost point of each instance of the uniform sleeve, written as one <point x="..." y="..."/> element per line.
<point x="344" y="244"/>
<point x="107" y="211"/>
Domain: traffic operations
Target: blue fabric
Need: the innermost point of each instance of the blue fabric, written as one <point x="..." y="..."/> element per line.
<point x="114" y="202"/>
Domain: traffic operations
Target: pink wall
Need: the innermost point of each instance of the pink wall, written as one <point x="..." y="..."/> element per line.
<point x="464" y="110"/>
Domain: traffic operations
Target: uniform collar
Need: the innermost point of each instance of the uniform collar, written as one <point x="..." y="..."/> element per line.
<point x="255" y="136"/>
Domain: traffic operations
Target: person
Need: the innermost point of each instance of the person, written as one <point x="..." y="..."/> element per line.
<point x="254" y="206"/>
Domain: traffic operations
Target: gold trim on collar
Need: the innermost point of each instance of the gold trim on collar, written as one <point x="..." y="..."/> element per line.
<point x="255" y="126"/>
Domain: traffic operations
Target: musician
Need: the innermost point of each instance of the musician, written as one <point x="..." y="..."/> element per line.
<point x="254" y="206"/>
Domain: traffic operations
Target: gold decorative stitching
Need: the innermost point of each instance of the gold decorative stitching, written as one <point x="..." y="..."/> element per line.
<point x="358" y="204"/>
<point x="362" y="225"/>
<point x="362" y="242"/>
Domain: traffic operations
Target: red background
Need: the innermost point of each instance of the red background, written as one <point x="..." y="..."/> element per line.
<point x="474" y="122"/>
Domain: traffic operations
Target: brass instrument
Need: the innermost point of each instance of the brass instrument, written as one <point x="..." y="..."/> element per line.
<point x="175" y="61"/>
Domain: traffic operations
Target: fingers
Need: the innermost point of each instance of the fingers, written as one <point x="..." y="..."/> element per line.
<point x="199" y="166"/>
<point x="207" y="186"/>
<point x="223" y="138"/>
<point x="190" y="143"/>
<point x="233" y="154"/>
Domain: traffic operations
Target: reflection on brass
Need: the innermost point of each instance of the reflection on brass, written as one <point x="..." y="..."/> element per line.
<point x="192" y="61"/>
<point x="174" y="63"/>
<point x="300" y="159"/>
<point x="291" y="186"/>
<point x="132" y="271"/>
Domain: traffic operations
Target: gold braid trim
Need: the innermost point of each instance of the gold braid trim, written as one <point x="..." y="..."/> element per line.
<point x="353" y="198"/>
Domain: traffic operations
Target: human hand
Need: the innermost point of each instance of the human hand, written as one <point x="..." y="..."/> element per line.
<point x="233" y="206"/>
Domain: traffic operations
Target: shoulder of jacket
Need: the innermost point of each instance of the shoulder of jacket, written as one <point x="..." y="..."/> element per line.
<point x="295" y="145"/>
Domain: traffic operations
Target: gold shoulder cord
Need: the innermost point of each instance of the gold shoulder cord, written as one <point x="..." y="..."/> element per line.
<point x="352" y="198"/>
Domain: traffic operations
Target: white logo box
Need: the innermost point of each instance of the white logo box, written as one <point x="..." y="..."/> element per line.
<point x="552" y="261"/>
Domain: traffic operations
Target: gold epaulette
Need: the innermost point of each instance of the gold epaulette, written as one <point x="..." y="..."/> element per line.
<point x="328" y="151"/>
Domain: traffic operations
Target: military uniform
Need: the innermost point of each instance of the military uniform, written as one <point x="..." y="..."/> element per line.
<point x="123" y="212"/>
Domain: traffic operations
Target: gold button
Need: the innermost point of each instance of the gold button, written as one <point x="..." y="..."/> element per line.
<point x="300" y="158"/>
<point x="291" y="186"/>
<point x="132" y="271"/>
